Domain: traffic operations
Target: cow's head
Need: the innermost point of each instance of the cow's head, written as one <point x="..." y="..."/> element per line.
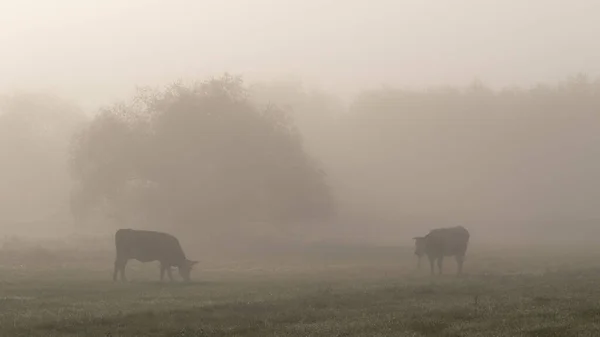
<point x="186" y="268"/>
<point x="419" y="246"/>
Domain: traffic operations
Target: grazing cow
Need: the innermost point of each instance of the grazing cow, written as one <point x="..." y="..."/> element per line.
<point x="147" y="246"/>
<point x="443" y="242"/>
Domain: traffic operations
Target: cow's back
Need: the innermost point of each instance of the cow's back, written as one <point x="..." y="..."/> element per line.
<point x="448" y="241"/>
<point x="147" y="246"/>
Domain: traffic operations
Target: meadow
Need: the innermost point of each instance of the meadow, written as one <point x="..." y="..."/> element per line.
<point x="320" y="290"/>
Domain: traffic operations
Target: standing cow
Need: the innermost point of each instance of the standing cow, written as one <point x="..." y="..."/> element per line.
<point x="443" y="242"/>
<point x="148" y="246"/>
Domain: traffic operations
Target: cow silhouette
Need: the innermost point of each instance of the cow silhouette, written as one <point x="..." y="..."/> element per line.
<point x="148" y="246"/>
<point x="442" y="242"/>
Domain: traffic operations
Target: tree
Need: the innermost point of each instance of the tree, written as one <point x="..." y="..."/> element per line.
<point x="197" y="155"/>
<point x="507" y="161"/>
<point x="35" y="130"/>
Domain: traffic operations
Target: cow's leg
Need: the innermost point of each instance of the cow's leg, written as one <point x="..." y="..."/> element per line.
<point x="116" y="270"/>
<point x="123" y="278"/>
<point x="440" y="263"/>
<point x="431" y="263"/>
<point x="169" y="272"/>
<point x="119" y="267"/>
<point x="162" y="272"/>
<point x="460" y="259"/>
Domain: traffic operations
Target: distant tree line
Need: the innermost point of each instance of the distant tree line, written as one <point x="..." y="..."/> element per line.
<point x="221" y="153"/>
<point x="35" y="132"/>
<point x="521" y="162"/>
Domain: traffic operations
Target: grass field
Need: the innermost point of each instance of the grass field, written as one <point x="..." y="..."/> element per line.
<point x="321" y="291"/>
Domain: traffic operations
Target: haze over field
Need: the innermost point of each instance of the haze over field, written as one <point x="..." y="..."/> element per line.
<point x="97" y="51"/>
<point x="377" y="156"/>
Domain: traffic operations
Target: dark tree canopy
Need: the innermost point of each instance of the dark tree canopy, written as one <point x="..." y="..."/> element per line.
<point x="197" y="155"/>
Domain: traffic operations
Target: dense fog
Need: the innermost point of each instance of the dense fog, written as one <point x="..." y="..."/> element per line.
<point x="303" y="121"/>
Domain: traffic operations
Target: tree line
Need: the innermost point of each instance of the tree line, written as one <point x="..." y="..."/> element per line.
<point x="224" y="153"/>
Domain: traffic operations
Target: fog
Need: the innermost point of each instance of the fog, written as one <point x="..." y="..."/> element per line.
<point x="98" y="52"/>
<point x="351" y="121"/>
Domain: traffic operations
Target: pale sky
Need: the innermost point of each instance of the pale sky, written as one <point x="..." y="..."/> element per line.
<point x="97" y="51"/>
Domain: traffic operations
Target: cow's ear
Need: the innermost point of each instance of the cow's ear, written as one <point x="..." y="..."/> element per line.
<point x="193" y="263"/>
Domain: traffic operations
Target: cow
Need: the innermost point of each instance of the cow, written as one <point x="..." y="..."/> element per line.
<point x="441" y="242"/>
<point x="148" y="246"/>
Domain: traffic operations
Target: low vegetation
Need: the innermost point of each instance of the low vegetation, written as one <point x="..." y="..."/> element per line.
<point x="317" y="291"/>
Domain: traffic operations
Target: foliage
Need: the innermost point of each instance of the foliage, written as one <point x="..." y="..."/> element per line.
<point x="526" y="158"/>
<point x="35" y="130"/>
<point x="196" y="154"/>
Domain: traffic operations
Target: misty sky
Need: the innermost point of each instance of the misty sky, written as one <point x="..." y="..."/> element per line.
<point x="97" y="51"/>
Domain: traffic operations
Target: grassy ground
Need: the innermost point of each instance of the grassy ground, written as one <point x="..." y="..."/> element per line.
<point x="323" y="291"/>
